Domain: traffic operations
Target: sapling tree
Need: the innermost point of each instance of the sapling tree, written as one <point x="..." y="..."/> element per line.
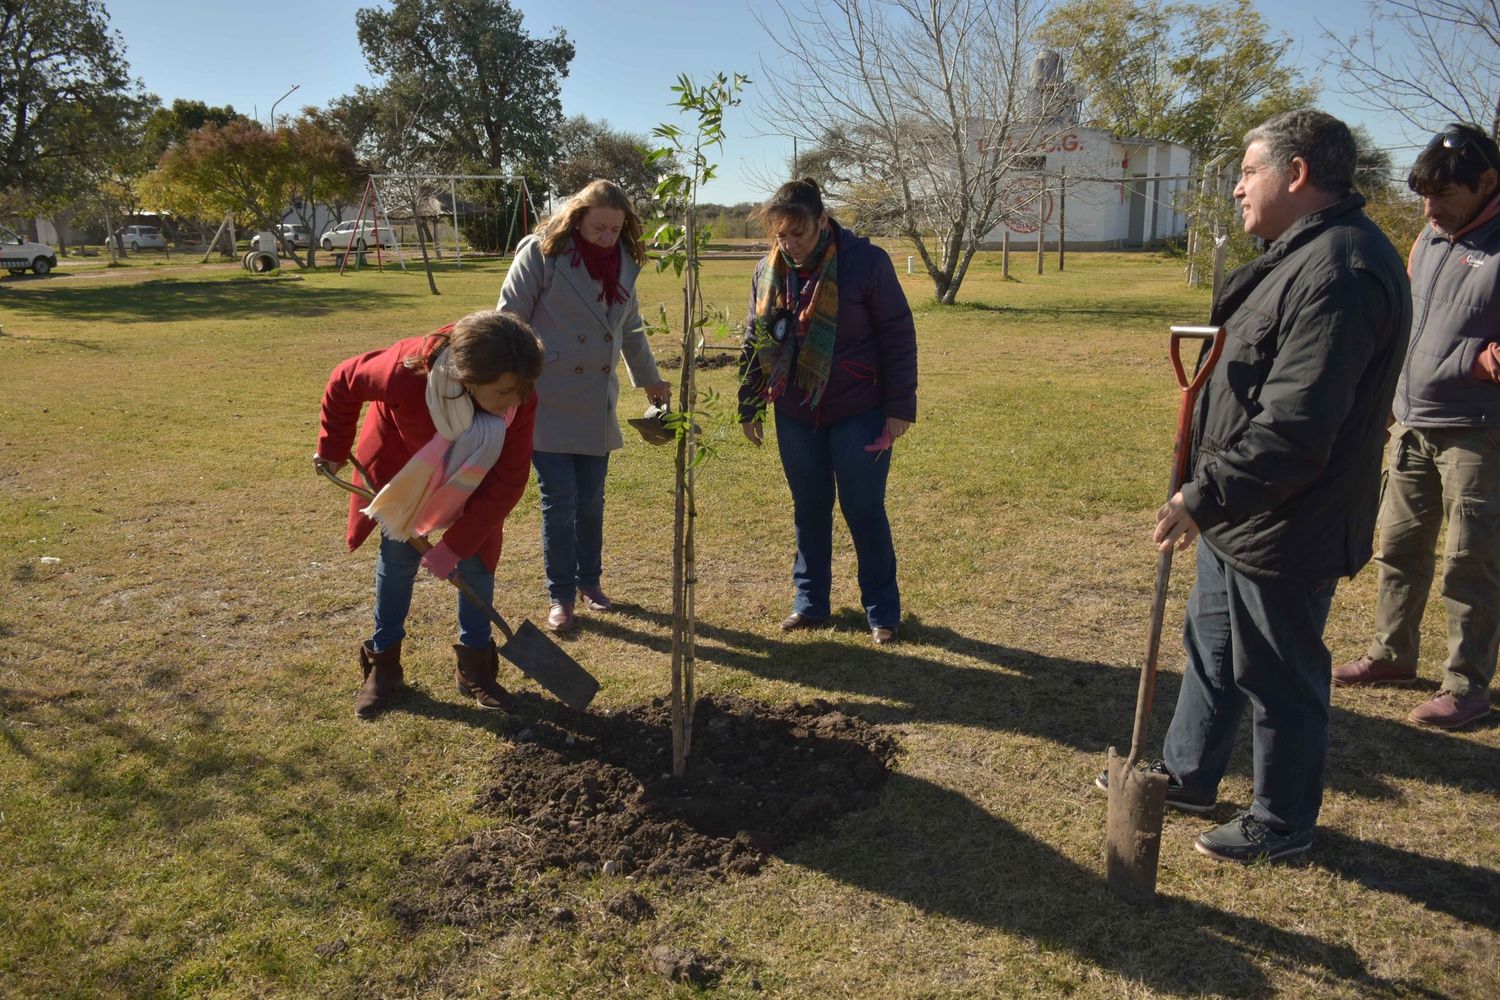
<point x="689" y="149"/>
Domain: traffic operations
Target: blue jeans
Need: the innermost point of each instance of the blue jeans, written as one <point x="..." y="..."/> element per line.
<point x="819" y="463"/>
<point x="395" y="571"/>
<point x="572" y="488"/>
<point x="1258" y="641"/>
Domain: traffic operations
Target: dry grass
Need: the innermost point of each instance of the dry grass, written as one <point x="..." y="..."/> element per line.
<point x="190" y="807"/>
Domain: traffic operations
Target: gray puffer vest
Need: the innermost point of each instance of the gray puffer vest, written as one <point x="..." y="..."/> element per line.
<point x="1455" y="291"/>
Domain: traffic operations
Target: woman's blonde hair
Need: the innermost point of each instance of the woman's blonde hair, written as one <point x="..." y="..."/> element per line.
<point x="599" y="193"/>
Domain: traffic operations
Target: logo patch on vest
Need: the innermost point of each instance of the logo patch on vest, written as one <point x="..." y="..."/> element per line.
<point x="1475" y="258"/>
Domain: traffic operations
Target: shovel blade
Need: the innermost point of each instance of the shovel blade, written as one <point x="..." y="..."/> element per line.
<point x="1137" y="800"/>
<point x="651" y="430"/>
<point x="543" y="660"/>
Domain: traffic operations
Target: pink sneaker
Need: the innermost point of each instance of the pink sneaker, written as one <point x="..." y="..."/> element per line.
<point x="1367" y="670"/>
<point x="1450" y="711"/>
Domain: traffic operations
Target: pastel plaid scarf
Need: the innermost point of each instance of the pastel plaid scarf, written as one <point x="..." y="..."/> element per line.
<point x="430" y="491"/>
<point x="805" y="358"/>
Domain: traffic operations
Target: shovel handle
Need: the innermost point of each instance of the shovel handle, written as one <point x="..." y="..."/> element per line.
<point x="421" y="544"/>
<point x="1214" y="337"/>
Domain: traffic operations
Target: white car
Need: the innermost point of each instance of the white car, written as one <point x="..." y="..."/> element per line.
<point x="294" y="233"/>
<point x="142" y="238"/>
<point x="340" y="236"/>
<point x="16" y="254"/>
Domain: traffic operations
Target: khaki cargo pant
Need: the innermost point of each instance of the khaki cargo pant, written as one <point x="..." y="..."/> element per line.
<point x="1433" y="473"/>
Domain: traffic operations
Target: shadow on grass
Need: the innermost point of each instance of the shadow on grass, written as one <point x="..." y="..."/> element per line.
<point x="458" y="708"/>
<point x="166" y="300"/>
<point x="1129" y="310"/>
<point x="1087" y="705"/>
<point x="934" y="849"/>
<point x="1466" y="892"/>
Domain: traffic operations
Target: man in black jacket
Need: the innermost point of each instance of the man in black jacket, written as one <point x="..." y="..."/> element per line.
<point x="1285" y="479"/>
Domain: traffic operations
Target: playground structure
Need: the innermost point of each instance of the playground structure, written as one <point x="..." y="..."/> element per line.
<point x="491" y="227"/>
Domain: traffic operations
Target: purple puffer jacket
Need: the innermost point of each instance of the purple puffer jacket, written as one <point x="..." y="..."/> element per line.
<point x="874" y="352"/>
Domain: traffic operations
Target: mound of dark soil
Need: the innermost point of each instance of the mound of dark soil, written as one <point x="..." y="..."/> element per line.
<point x="583" y="795"/>
<point x="713" y="359"/>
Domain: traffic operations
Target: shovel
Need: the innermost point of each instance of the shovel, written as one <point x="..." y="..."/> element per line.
<point x="533" y="653"/>
<point x="1138" y="798"/>
<point x="653" y="427"/>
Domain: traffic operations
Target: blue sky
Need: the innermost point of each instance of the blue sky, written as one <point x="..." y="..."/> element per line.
<point x="629" y="53"/>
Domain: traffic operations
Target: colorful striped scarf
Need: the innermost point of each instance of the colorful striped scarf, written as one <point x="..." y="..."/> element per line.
<point x="430" y="491"/>
<point x="807" y="357"/>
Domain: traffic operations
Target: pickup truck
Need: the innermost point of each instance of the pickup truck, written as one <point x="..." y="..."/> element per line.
<point x="18" y="255"/>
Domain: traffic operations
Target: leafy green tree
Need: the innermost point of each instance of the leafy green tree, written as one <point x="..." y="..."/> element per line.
<point x="325" y="171"/>
<point x="107" y="182"/>
<point x="60" y="70"/>
<point x="589" y="149"/>
<point x="252" y="174"/>
<point x="705" y="106"/>
<point x="1199" y="74"/>
<point x="168" y="127"/>
<point x="472" y="84"/>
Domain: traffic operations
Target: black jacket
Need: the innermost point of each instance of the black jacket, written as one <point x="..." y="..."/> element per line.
<point x="1289" y="430"/>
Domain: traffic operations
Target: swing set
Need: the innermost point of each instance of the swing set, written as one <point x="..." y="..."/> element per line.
<point x="490" y="226"/>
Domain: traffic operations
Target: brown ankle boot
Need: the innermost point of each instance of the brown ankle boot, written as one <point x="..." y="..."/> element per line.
<point x="475" y="674"/>
<point x="382" y="679"/>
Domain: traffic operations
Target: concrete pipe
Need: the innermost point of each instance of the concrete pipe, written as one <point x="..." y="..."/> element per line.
<point x="260" y="262"/>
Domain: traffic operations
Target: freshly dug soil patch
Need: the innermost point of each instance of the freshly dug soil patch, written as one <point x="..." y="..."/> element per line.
<point x="712" y="359"/>
<point x="584" y="795"/>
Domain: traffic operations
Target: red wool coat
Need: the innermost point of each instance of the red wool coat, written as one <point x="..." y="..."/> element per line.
<point x="396" y="428"/>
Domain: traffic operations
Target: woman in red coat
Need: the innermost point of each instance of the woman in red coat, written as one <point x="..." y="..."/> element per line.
<point x="448" y="442"/>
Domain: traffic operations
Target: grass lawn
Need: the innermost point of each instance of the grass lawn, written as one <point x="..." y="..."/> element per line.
<point x="188" y="806"/>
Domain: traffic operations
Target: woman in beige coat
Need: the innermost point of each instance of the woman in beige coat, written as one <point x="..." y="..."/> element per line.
<point x="573" y="280"/>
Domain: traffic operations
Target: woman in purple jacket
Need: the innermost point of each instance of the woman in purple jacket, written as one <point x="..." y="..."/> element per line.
<point x="831" y="347"/>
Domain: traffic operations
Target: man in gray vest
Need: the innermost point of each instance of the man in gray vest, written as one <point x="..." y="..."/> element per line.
<point x="1444" y="453"/>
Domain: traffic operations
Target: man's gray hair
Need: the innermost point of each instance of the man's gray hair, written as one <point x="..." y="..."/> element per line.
<point x="1325" y="144"/>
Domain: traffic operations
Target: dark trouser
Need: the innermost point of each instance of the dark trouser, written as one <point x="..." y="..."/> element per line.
<point x="1432" y="474"/>
<point x="572" y="489"/>
<point x="396" y="572"/>
<point x="1255" y="640"/>
<point x="828" y="460"/>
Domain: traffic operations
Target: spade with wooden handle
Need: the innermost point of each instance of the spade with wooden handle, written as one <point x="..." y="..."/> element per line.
<point x="1137" y="797"/>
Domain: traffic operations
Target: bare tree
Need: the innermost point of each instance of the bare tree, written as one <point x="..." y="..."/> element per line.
<point x="930" y="109"/>
<point x="1448" y="71"/>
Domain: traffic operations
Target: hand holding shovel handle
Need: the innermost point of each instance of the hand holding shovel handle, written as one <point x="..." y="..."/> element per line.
<point x="533" y="654"/>
<point x="1136" y="798"/>
<point x="1180" y="455"/>
<point x="418" y="542"/>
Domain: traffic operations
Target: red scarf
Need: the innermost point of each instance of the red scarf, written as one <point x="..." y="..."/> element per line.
<point x="603" y="265"/>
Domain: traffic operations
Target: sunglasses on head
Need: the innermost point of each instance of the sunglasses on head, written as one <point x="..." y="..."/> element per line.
<point x="1457" y="137"/>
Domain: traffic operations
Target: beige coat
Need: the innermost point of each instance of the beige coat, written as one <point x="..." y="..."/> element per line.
<point x="582" y="343"/>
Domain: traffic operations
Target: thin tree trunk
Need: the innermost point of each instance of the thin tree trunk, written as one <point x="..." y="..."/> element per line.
<point x="679" y="555"/>
<point x="685" y="513"/>
<point x="421" y="242"/>
<point x="110" y="236"/>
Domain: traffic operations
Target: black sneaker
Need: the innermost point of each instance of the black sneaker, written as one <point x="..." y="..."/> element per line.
<point x="1177" y="796"/>
<point x="1245" y="839"/>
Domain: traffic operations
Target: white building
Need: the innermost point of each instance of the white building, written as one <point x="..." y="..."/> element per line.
<point x="1104" y="191"/>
